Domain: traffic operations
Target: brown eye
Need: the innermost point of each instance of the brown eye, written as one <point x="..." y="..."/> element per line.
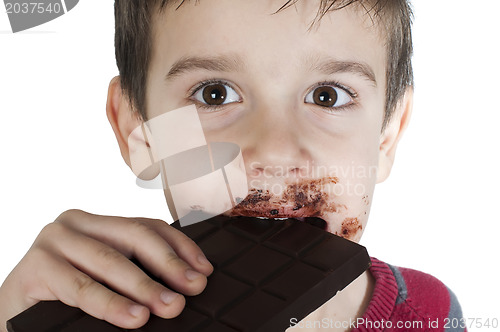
<point x="328" y="96"/>
<point x="325" y="96"/>
<point x="216" y="94"/>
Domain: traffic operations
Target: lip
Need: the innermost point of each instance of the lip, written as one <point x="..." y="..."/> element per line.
<point x="304" y="201"/>
<point x="274" y="212"/>
<point x="313" y="220"/>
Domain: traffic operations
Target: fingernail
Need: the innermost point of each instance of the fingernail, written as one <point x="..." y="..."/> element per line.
<point x="192" y="275"/>
<point x="203" y="260"/>
<point x="168" y="297"/>
<point x="136" y="310"/>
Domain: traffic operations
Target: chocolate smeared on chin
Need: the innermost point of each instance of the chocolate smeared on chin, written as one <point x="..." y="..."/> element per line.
<point x="306" y="198"/>
<point x="350" y="227"/>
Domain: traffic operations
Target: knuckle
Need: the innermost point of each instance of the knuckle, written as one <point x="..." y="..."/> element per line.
<point x="160" y="222"/>
<point x="108" y="255"/>
<point x="83" y="285"/>
<point x="146" y="284"/>
<point x="173" y="261"/>
<point x="68" y="215"/>
<point x="138" y="226"/>
<point x="187" y="242"/>
<point x="51" y="231"/>
<point x="181" y="240"/>
<point x="150" y="221"/>
<point x="187" y="246"/>
<point x="113" y="302"/>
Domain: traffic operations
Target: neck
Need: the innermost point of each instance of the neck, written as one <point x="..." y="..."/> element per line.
<point x="348" y="305"/>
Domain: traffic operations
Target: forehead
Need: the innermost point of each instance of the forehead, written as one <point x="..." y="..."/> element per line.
<point x="274" y="43"/>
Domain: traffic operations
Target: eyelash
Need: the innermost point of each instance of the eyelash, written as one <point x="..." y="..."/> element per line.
<point x="214" y="108"/>
<point x="200" y="86"/>
<point x="353" y="94"/>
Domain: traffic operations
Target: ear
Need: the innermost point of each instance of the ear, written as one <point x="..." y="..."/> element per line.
<point x="122" y="118"/>
<point x="124" y="122"/>
<point x="393" y="133"/>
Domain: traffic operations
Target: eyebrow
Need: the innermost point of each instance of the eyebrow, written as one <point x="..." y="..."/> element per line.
<point x="223" y="63"/>
<point x="234" y="63"/>
<point x="331" y="66"/>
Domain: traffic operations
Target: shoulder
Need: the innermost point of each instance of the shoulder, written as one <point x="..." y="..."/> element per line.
<point x="420" y="296"/>
<point x="423" y="292"/>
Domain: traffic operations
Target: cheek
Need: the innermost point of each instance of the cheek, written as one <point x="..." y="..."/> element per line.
<point x="352" y="195"/>
<point x="352" y="222"/>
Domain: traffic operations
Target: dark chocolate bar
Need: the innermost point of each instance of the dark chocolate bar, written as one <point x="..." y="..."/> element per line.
<point x="266" y="272"/>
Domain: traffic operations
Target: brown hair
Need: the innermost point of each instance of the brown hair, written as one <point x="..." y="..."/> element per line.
<point x="133" y="43"/>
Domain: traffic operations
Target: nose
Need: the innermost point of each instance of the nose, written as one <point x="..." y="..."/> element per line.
<point x="274" y="146"/>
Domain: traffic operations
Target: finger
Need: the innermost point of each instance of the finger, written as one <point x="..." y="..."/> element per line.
<point x="77" y="289"/>
<point x="107" y="265"/>
<point x="134" y="238"/>
<point x="183" y="246"/>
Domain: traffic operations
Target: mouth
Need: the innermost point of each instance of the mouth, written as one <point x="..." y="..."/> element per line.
<point x="304" y="202"/>
<point x="312" y="220"/>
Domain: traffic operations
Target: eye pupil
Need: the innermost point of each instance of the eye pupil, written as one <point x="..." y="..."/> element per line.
<point x="325" y="96"/>
<point x="214" y="94"/>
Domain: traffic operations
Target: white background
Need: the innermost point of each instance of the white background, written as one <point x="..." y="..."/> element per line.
<point x="438" y="211"/>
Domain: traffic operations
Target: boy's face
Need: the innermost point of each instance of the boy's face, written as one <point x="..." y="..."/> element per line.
<point x="306" y="108"/>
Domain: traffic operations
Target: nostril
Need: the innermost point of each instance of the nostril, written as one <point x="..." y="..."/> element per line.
<point x="255" y="171"/>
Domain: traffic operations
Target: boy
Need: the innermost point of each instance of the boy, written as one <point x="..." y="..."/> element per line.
<point x="317" y="110"/>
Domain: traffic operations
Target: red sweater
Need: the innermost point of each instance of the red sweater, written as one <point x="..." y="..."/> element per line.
<point x="408" y="300"/>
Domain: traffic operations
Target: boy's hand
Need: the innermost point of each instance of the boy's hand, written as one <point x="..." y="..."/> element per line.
<point x="74" y="256"/>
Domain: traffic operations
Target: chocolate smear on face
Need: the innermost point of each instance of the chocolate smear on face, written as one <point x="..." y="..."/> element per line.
<point x="350" y="227"/>
<point x="305" y="198"/>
